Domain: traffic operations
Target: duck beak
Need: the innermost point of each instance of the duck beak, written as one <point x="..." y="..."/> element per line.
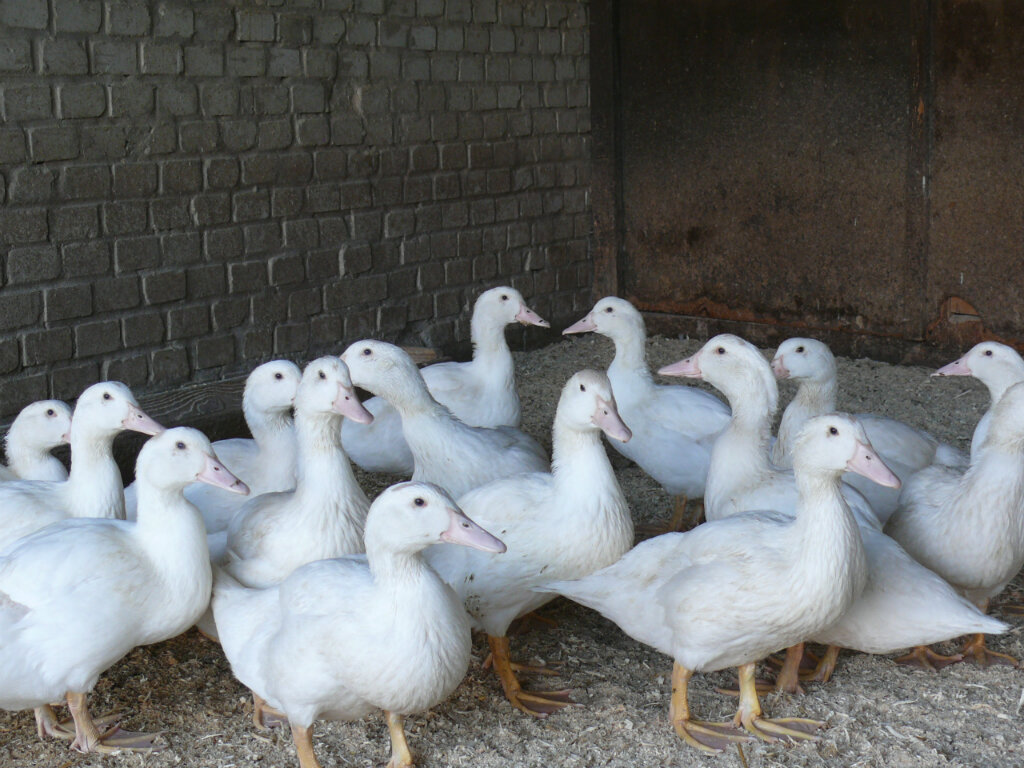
<point x="462" y="530"/>
<point x="527" y="316"/>
<point x="585" y="325"/>
<point x="348" y="405"/>
<point x="215" y="473"/>
<point x="779" y="369"/>
<point x="607" y="418"/>
<point x="866" y="462"/>
<point x="138" y="421"/>
<point x="956" y="368"/>
<point x="688" y="368"/>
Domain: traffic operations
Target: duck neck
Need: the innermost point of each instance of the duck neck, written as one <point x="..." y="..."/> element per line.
<point x="490" y="347"/>
<point x="268" y="428"/>
<point x="324" y="474"/>
<point x="95" y="487"/>
<point x="29" y="461"/>
<point x="630" y="359"/>
<point x="1001" y="380"/>
<point x="407" y="392"/>
<point x="812" y="398"/>
<point x="393" y="564"/>
<point x="171" y="531"/>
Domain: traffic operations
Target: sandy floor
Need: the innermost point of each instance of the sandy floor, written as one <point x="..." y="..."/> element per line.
<point x="878" y="713"/>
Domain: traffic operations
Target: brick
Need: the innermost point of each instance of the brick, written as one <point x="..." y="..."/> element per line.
<point x="329" y="29"/>
<point x="308" y="97"/>
<point x="303" y="234"/>
<point x="303" y="304"/>
<point x="198" y="137"/>
<point x="181" y="248"/>
<point x="187" y="322"/>
<point x="172" y="20"/>
<point x="312" y="131"/>
<point x="178" y="97"/>
<point x="15" y="56"/>
<point x="26" y="225"/>
<point x="347" y="131"/>
<point x="270" y="100"/>
<point x="229" y="313"/>
<point x="86" y="181"/>
<point x="223" y="244"/>
<point x="204" y="61"/>
<point x="143" y="329"/>
<point x="214" y="352"/>
<point x="86" y="259"/>
<point x="222" y="173"/>
<point x="251" y="206"/>
<point x="257" y="344"/>
<point x="286" y="202"/>
<point x="115" y="293"/>
<point x="206" y="281"/>
<point x="10" y="356"/>
<point x="32" y="184"/>
<point x="132" y="99"/>
<point x="135" y="254"/>
<point x="135" y="179"/>
<point x="53" y="143"/>
<point x="320" y="63"/>
<point x="133" y="370"/>
<point x="127" y="19"/>
<point x="26" y="14"/>
<point x="31" y="102"/>
<point x="77" y="15"/>
<point x="114" y="57"/>
<point x="291" y="337"/>
<point x="47" y="346"/>
<point x="247" y="277"/>
<point x="12" y="146"/>
<point x="214" y="22"/>
<point x="218" y="99"/>
<point x="163" y="287"/>
<point x="88" y="100"/>
<point x="284" y="62"/>
<point x="170" y="213"/>
<point x="19" y="309"/>
<point x="79" y="222"/>
<point x="96" y="338"/>
<point x="211" y="208"/>
<point x="286" y="270"/>
<point x="247" y="60"/>
<point x="254" y="25"/>
<point x="167" y="366"/>
<point x="32" y="265"/>
<point x="238" y="135"/>
<point x="260" y="238"/>
<point x="104" y="142"/>
<point x="274" y="134"/>
<point x="124" y="218"/>
<point x="423" y="38"/>
<point x="161" y="58"/>
<point x="181" y="176"/>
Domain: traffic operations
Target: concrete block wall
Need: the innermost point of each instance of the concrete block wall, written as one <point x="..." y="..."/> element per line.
<point x="190" y="188"/>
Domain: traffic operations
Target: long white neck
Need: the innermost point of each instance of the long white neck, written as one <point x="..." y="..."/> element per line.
<point x="325" y="480"/>
<point x="407" y="392"/>
<point x="813" y="398"/>
<point x="490" y="347"/>
<point x="630" y="361"/>
<point x="30" y="461"/>
<point x="94" y="487"/>
<point x="739" y="457"/>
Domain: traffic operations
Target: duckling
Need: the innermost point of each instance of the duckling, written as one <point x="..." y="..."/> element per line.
<point x="731" y="591"/>
<point x="673" y="428"/>
<point x="80" y="594"/>
<point x="340" y="638"/>
<point x="447" y="452"/>
<point x="94" y="487"/>
<point x="558" y="525"/>
<point x="480" y="392"/>
<point x="995" y="365"/>
<point x="38" y="429"/>
<point x="904" y="448"/>
<point x="968" y="526"/>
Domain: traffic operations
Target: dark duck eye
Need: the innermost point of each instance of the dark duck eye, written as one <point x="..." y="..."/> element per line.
<point x="418" y="501"/>
<point x="833" y="431"/>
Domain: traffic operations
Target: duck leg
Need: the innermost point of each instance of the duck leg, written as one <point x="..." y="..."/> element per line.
<point x="535" y="703"/>
<point x="401" y="757"/>
<point x="925" y="658"/>
<point x="705" y="736"/>
<point x="265" y="716"/>
<point x="788" y="679"/>
<point x="47" y="723"/>
<point x="88" y="737"/>
<point x="749" y="715"/>
<point x="680" y="520"/>
<point x="976" y="650"/>
<point x="822" y="673"/>
<point x="303" y="739"/>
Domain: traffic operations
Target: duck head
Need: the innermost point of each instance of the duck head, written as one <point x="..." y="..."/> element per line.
<point x="986" y="361"/>
<point x="109" y="407"/>
<point x="373" y="364"/>
<point x="182" y="455"/>
<point x="837" y="443"/>
<point x="804" y="360"/>
<point x="46" y="423"/>
<point x="587" y="402"/>
<point x="506" y="305"/>
<point x="270" y="388"/>
<point x="612" y="317"/>
<point x="326" y="387"/>
<point x="731" y="365"/>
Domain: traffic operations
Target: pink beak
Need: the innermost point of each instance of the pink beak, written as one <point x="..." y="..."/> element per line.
<point x="348" y="405"/>
<point x="462" y="530"/>
<point x="217" y="474"/>
<point x="527" y="316"/>
<point x="581" y="326"/>
<point x="138" y="421"/>
<point x="688" y="368"/>
<point x="866" y="462"/>
<point x="780" y="370"/>
<point x="956" y="368"/>
<point x="607" y="418"/>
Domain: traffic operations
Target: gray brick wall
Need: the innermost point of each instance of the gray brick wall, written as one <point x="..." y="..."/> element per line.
<point x="187" y="189"/>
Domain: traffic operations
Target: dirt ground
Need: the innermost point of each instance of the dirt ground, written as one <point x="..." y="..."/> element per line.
<point x="879" y="714"/>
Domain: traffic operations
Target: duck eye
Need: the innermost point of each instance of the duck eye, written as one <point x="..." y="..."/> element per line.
<point x="180" y="445"/>
<point x="720" y="350"/>
<point x="418" y="501"/>
<point x="582" y="388"/>
<point x="323" y="375"/>
<point x="609" y="310"/>
<point x="833" y="431"/>
<point x="278" y="376"/>
<point x="367" y="351"/>
<point x="106" y="396"/>
<point x="50" y="412"/>
<point x="504" y="297"/>
<point x="799" y="349"/>
<point x="988" y="353"/>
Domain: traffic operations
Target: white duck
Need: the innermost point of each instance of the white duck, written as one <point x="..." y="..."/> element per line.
<point x="38" y="429"/>
<point x="265" y="462"/>
<point x="995" y="365"/>
<point x="903" y="604"/>
<point x="323" y="516"/>
<point x="732" y="591"/>
<point x="481" y="392"/>
<point x="79" y="595"/>
<point x="674" y="427"/>
<point x="903" y="448"/>
<point x="446" y="451"/>
<point x="968" y="527"/>
<point x="341" y="638"/>
<point x="94" y="487"/>
<point x="561" y="525"/>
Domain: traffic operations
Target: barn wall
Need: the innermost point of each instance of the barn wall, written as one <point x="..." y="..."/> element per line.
<point x="190" y="188"/>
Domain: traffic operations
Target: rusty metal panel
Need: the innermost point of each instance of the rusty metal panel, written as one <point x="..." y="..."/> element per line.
<point x="976" y="248"/>
<point x="764" y="150"/>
